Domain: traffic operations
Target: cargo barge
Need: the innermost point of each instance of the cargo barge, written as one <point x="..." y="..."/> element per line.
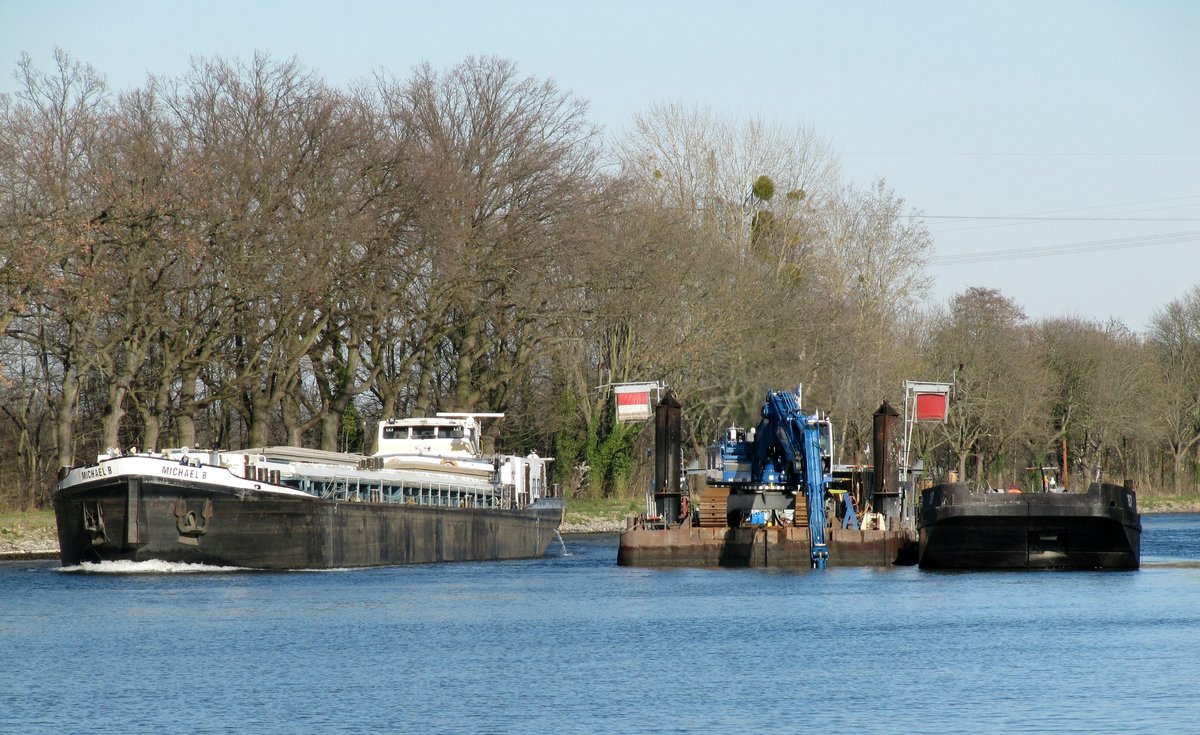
<point x="964" y="529"/>
<point x="426" y="495"/>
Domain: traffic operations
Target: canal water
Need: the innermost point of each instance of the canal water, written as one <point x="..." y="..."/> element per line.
<point x="573" y="643"/>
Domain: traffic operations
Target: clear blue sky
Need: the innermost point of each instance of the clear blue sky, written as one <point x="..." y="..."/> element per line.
<point x="1085" y="112"/>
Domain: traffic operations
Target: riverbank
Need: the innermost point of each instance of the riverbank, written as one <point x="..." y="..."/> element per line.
<point x="1169" y="504"/>
<point x="598" y="516"/>
<point x="30" y="535"/>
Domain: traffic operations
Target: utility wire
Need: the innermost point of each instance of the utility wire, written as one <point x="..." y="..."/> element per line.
<point x="1086" y="246"/>
<point x="949" y="226"/>
<point x="1065" y="215"/>
<point x="1191" y="197"/>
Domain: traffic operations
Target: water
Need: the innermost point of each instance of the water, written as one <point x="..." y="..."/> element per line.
<point x="574" y="644"/>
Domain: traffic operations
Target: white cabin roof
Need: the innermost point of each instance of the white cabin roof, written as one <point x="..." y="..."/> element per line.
<point x="444" y="435"/>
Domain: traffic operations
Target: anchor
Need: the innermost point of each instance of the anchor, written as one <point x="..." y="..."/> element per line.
<point x="191" y="527"/>
<point x="93" y="523"/>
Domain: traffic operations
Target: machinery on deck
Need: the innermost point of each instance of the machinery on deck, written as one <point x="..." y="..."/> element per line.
<point x="779" y="473"/>
<point x="770" y="496"/>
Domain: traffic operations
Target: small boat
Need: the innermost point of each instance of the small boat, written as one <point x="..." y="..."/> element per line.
<point x="426" y="495"/>
<point x="960" y="528"/>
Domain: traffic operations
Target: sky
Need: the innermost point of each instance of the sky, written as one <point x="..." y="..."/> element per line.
<point x="1053" y="147"/>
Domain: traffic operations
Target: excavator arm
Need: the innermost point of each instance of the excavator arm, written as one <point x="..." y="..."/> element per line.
<point x="788" y="452"/>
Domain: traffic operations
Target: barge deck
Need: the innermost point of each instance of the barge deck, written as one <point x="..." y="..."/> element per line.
<point x="782" y="546"/>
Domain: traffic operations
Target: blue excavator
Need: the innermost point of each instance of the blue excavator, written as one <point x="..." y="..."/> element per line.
<point x="779" y="472"/>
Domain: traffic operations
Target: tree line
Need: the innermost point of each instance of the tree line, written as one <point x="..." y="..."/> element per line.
<point x="245" y="255"/>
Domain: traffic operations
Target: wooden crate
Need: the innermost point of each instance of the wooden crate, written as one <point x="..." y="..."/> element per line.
<point x="713" y="503"/>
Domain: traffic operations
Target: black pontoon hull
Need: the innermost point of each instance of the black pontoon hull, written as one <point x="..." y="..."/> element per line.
<point x="960" y="529"/>
<point x="152" y="518"/>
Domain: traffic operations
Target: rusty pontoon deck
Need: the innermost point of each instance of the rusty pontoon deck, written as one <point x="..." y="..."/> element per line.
<point x="778" y="546"/>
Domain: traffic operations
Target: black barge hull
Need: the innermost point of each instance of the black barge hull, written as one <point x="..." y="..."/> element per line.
<point x="960" y="529"/>
<point x="150" y="518"/>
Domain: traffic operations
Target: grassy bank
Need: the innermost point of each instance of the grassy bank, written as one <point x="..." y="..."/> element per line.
<point x="38" y="520"/>
<point x="596" y="516"/>
<point x="28" y="531"/>
<point x="1169" y="503"/>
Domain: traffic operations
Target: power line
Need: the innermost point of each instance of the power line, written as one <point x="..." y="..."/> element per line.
<point x="1122" y="205"/>
<point x="1190" y="200"/>
<point x="1067" y="249"/>
<point x="949" y="226"/>
<point x="1066" y="215"/>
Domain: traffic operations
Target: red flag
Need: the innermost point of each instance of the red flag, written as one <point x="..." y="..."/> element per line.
<point x="931" y="407"/>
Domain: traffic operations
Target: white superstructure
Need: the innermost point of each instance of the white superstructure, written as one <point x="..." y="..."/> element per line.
<point x="426" y="461"/>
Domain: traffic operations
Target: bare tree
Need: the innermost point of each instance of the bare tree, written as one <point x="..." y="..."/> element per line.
<point x="1001" y="398"/>
<point x="1104" y="391"/>
<point x="868" y="268"/>
<point x="56" y="130"/>
<point x="1175" y="341"/>
<point x="264" y="134"/>
<point x="26" y="454"/>
<point x="1129" y="395"/>
<point x="504" y="166"/>
<point x="706" y="166"/>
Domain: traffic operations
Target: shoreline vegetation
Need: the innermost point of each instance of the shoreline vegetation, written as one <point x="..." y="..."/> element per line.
<point x="32" y="534"/>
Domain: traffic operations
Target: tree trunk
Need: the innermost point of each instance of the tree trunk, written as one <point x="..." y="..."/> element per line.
<point x="290" y="414"/>
<point x="331" y="423"/>
<point x="185" y="423"/>
<point x="114" y="412"/>
<point x="422" y="403"/>
<point x="260" y="410"/>
<point x="464" y="394"/>
<point x="64" y="421"/>
<point x="152" y="415"/>
<point x="963" y="456"/>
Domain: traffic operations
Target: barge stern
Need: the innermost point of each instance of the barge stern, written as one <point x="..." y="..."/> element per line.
<point x="963" y="529"/>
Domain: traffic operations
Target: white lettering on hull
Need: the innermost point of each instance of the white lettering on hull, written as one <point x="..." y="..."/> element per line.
<point x="190" y="473"/>
<point x="92" y="473"/>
